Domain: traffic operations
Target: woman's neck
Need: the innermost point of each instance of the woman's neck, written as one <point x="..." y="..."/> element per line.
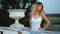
<point x="36" y="13"/>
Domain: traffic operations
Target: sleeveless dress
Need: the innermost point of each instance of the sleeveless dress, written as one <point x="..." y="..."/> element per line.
<point x="36" y="23"/>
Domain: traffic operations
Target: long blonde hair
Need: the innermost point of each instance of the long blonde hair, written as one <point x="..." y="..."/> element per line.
<point x="35" y="9"/>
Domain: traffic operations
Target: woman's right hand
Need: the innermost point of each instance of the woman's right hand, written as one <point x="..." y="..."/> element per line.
<point x="41" y="29"/>
<point x="30" y="28"/>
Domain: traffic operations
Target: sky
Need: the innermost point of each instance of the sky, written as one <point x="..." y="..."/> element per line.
<point x="51" y="6"/>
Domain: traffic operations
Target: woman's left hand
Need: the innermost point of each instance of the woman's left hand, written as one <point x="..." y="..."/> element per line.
<point x="41" y="29"/>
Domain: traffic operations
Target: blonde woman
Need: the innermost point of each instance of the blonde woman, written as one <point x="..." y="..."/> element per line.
<point x="36" y="17"/>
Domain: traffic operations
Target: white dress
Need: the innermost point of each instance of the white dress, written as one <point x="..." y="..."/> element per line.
<point x="36" y="23"/>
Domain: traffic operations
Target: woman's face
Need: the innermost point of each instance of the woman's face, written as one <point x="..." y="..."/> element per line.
<point x="40" y="7"/>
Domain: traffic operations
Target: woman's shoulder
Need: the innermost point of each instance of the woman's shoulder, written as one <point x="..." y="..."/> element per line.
<point x="31" y="13"/>
<point x="42" y="15"/>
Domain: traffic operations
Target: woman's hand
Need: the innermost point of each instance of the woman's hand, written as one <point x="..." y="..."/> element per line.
<point x="41" y="29"/>
<point x="30" y="28"/>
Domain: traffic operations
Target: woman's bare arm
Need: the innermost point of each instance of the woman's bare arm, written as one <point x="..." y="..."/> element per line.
<point x="47" y="21"/>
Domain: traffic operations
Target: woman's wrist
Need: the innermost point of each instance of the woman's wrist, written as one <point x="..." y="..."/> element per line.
<point x="44" y="28"/>
<point x="41" y="28"/>
<point x="30" y="27"/>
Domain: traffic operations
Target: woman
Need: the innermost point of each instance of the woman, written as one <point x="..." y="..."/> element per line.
<point x="36" y="17"/>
